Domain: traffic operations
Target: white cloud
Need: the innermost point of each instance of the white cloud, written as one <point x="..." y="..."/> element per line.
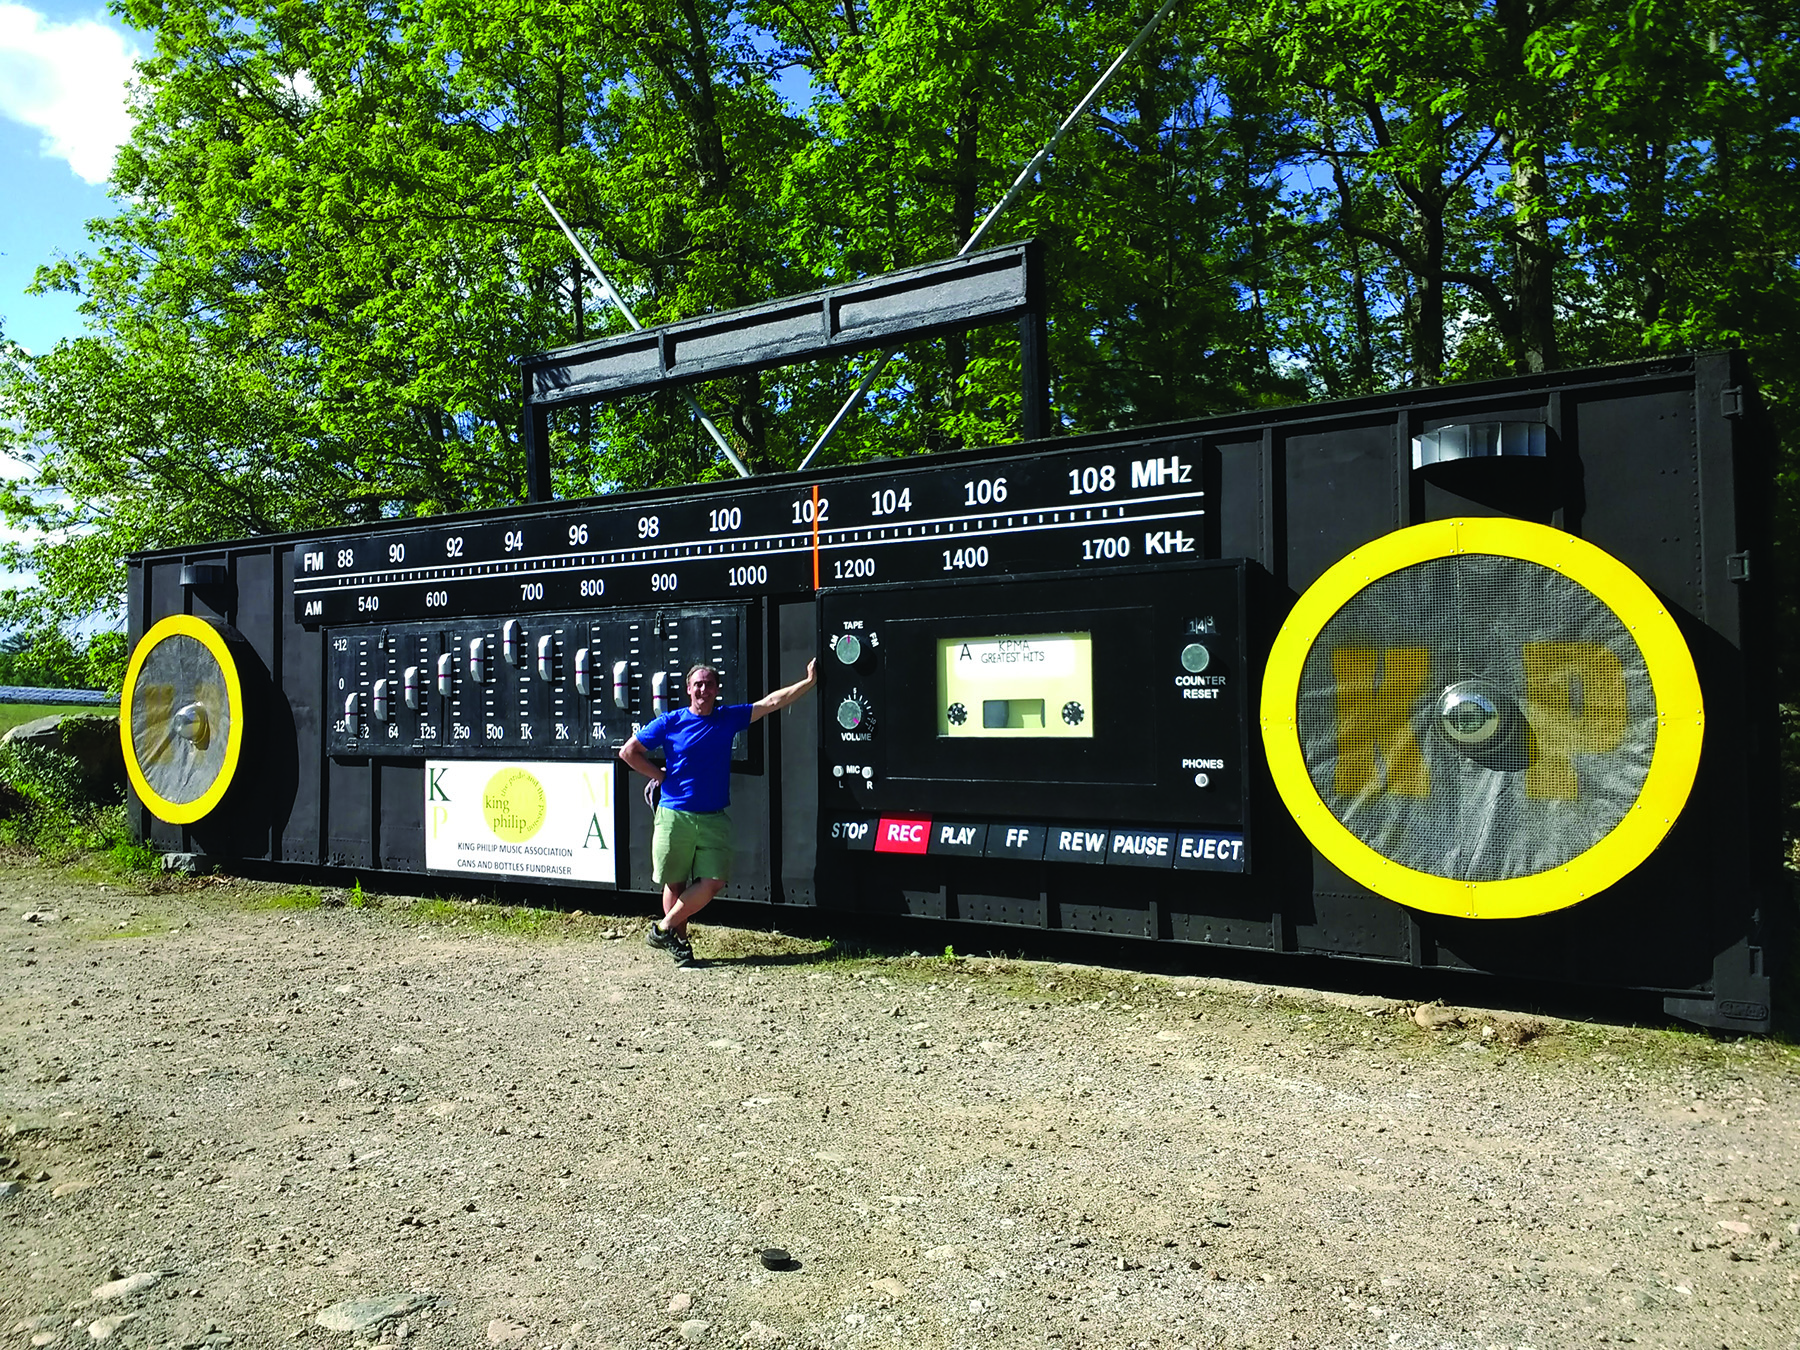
<point x="68" y="81"/>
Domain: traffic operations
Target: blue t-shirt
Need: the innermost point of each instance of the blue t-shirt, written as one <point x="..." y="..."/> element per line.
<point x="696" y="755"/>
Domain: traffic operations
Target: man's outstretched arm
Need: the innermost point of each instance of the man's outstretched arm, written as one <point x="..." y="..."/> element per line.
<point x="778" y="700"/>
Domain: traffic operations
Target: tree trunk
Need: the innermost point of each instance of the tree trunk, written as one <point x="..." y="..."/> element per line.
<point x="1534" y="296"/>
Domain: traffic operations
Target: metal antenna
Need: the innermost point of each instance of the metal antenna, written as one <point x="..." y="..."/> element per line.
<point x="1012" y="194"/>
<point x="618" y="303"/>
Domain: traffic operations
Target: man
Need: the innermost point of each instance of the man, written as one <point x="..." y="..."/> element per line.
<point x="693" y="831"/>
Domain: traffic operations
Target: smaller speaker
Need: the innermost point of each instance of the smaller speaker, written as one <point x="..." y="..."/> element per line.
<point x="182" y="718"/>
<point x="1485" y="717"/>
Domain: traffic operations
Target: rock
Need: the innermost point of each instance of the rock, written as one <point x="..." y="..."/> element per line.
<point x="889" y="1286"/>
<point x="680" y="1303"/>
<point x="946" y="1253"/>
<point x="693" y="1331"/>
<point x="372" y="1312"/>
<point x="92" y="742"/>
<point x="11" y="1188"/>
<point x="69" y="1188"/>
<point x="1435" y="1016"/>
<point x="45" y="1337"/>
<point x="504" y="1331"/>
<point x="104" y="1328"/>
<point x="759" y="1334"/>
<point x="126" y="1287"/>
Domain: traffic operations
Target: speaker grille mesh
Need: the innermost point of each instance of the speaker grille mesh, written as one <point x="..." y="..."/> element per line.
<point x="1564" y="760"/>
<point x="180" y="719"/>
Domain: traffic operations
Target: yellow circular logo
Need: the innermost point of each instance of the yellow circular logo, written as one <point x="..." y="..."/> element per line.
<point x="514" y="804"/>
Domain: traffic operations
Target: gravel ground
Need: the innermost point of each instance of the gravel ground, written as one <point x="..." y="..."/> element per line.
<point x="232" y="1115"/>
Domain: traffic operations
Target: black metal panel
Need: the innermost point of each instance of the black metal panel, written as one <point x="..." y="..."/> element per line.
<point x="1114" y="920"/>
<point x="987" y="287"/>
<point x="1641" y="485"/>
<point x="299" y="828"/>
<point x="1343" y="488"/>
<point x="795" y="757"/>
<point x="1023" y="911"/>
<point x="400" y="790"/>
<point x="350" y="813"/>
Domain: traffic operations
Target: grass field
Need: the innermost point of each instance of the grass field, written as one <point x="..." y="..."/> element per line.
<point x="12" y="714"/>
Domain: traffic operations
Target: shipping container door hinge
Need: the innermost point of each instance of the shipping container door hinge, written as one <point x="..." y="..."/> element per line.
<point x="1731" y="402"/>
<point x="1737" y="566"/>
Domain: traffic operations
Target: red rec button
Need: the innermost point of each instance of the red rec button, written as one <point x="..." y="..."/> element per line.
<point x="902" y="836"/>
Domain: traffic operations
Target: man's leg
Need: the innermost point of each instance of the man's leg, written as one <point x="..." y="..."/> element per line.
<point x="671" y="898"/>
<point x="691" y="901"/>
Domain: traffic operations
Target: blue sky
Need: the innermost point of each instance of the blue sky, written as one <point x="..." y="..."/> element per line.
<point x="63" y="68"/>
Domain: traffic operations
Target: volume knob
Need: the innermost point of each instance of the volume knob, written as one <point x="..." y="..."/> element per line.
<point x="853" y="714"/>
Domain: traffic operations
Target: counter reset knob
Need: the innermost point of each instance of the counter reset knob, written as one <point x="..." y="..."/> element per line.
<point x="1195" y="657"/>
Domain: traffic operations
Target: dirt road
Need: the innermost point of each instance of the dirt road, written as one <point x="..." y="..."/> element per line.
<point x="236" y="1115"/>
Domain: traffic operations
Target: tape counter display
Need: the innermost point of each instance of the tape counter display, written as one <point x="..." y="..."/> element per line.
<point x="1040" y="685"/>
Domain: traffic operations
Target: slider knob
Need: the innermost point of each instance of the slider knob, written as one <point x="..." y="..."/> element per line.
<point x="409" y="686"/>
<point x="379" y="703"/>
<point x="546" y="657"/>
<point x="446" y="674"/>
<point x="584" y="672"/>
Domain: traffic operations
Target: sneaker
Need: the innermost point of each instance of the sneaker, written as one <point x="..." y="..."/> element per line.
<point x="684" y="950"/>
<point x="665" y="941"/>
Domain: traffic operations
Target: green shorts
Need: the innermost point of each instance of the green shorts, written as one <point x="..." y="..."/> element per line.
<point x="689" y="846"/>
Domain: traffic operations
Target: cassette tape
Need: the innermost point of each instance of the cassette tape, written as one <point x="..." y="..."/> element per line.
<point x="1037" y="685"/>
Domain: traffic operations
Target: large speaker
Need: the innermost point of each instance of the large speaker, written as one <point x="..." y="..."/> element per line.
<point x="182" y="717"/>
<point x="1485" y="718"/>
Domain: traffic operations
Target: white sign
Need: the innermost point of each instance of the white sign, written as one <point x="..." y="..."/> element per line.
<point x="486" y="818"/>
<point x="1053" y="655"/>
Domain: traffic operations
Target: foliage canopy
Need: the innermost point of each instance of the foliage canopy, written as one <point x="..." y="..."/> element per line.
<point x="327" y="257"/>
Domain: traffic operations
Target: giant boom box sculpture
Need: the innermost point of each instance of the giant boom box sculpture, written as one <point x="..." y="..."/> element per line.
<point x="1471" y="677"/>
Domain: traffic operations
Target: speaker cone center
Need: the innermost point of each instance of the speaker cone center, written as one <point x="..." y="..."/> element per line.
<point x="1471" y="713"/>
<point x="192" y="724"/>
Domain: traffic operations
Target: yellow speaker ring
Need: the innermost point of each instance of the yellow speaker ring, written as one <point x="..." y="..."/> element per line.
<point x="181" y="718"/>
<point x="1679" y="719"/>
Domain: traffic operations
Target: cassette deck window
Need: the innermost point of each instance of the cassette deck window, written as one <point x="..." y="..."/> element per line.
<point x="1035" y="685"/>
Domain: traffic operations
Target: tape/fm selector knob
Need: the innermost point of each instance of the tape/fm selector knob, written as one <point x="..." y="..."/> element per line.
<point x="848" y="649"/>
<point x="853" y="714"/>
